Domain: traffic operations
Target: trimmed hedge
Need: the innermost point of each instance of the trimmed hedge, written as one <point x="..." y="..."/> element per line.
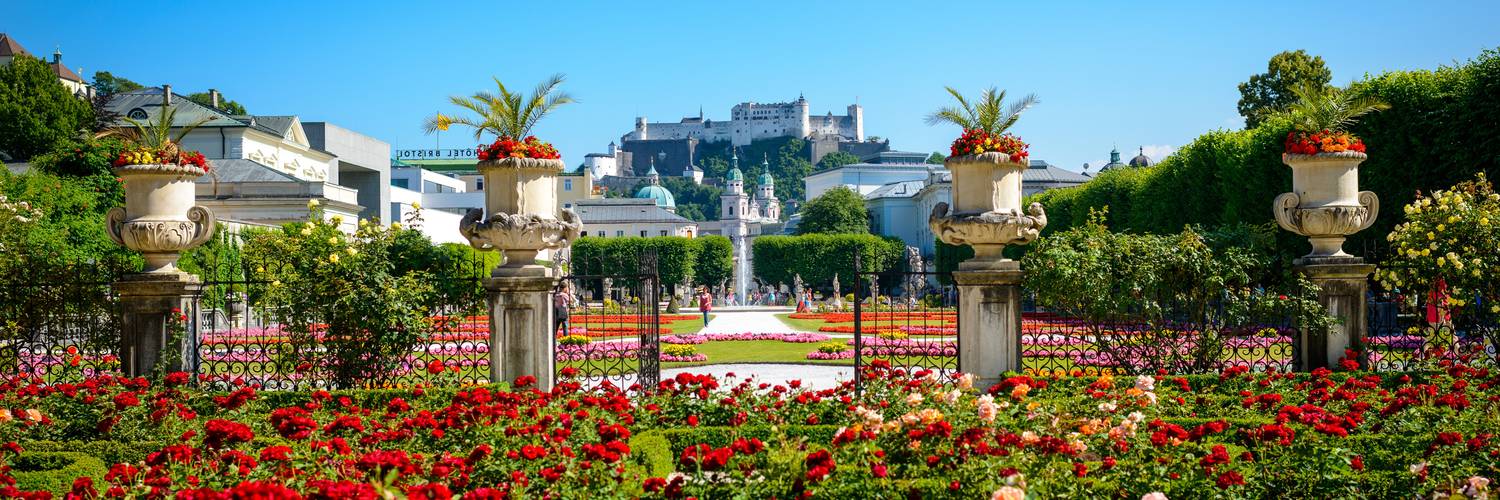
<point x="1443" y="119"/>
<point x="677" y="258"/>
<point x="820" y="257"/>
<point x="55" y="471"/>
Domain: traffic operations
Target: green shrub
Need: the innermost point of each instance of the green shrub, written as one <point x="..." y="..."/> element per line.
<point x="817" y="258"/>
<point x="54" y="471"/>
<point x="654" y="452"/>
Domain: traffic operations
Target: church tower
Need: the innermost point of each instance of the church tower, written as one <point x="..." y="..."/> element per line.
<point x="733" y="202"/>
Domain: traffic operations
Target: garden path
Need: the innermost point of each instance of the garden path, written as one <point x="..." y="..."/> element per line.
<point x="764" y="320"/>
<point x="749" y="319"/>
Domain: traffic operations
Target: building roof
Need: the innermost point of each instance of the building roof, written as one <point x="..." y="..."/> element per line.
<point x="623" y="210"/>
<point x="63" y="72"/>
<point x="736" y="175"/>
<point x="1041" y="171"/>
<point x="10" y="47"/>
<point x="242" y="170"/>
<point x="1141" y="160"/>
<point x="145" y="103"/>
<point x="278" y="124"/>
<point x="766" y="179"/>
<point x="902" y="189"/>
<point x="661" y="195"/>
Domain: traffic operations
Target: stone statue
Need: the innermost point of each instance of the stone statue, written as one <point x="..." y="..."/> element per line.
<point x="837" y="300"/>
<point x="797" y="285"/>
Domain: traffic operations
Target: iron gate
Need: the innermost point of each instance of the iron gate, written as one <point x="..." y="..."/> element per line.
<point x="905" y="317"/>
<point x="606" y="332"/>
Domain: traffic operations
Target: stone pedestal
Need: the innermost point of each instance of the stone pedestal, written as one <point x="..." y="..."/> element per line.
<point x="1342" y="283"/>
<point x="147" y="301"/>
<point x="989" y="325"/>
<point x="520" y="302"/>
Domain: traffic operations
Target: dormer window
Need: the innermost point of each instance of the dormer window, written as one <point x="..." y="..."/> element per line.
<point x="137" y="114"/>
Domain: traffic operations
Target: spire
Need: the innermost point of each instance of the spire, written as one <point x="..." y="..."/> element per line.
<point x="734" y="161"/>
<point x="700" y="111"/>
<point x="1114" y="155"/>
<point x="765" y="161"/>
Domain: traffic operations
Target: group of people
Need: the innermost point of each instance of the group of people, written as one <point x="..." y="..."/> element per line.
<point x="563" y="302"/>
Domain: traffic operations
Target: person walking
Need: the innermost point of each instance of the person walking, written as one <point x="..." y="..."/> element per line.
<point x="562" y="302"/>
<point x="705" y="303"/>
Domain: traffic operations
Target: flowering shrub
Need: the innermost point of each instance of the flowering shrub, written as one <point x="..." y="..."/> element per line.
<point x="568" y="340"/>
<point x="832" y="347"/>
<point x="1239" y="434"/>
<point x="1450" y="239"/>
<point x="349" y="316"/>
<point x="142" y="155"/>
<point x="1311" y="143"/>
<point x="977" y="141"/>
<point x="679" y="350"/>
<point x="508" y="147"/>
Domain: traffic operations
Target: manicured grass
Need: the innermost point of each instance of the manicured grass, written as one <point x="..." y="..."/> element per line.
<point x="801" y="325"/>
<point x="757" y="351"/>
<point x="688" y="326"/>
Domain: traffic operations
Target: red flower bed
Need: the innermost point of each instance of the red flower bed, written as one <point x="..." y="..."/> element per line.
<point x="976" y="141"/>
<point x="1311" y="143"/>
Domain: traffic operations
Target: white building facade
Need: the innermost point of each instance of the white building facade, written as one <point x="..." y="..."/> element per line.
<point x="749" y="121"/>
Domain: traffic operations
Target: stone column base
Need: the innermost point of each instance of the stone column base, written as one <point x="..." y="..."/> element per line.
<point x="521" y="325"/>
<point x="1341" y="290"/>
<point x="989" y="321"/>
<point x="147" y="301"/>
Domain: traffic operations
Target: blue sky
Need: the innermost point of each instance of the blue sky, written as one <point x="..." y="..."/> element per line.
<point x="1107" y="73"/>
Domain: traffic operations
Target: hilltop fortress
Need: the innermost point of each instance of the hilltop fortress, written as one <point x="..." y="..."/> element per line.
<point x="749" y="121"/>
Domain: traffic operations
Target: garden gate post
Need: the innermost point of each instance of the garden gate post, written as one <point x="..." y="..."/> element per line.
<point x="989" y="301"/>
<point x="153" y="332"/>
<point x="1341" y="290"/>
<point x="521" y="333"/>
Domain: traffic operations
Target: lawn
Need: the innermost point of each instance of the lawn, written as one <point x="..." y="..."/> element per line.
<point x="801" y="325"/>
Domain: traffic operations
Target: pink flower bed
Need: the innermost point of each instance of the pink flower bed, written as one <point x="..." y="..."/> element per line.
<point x="819" y="355"/>
<point x="799" y="338"/>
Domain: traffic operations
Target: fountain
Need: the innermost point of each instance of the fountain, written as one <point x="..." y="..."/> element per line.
<point x="741" y="269"/>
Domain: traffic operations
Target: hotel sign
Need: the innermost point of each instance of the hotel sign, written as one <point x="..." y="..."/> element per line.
<point x="436" y="154"/>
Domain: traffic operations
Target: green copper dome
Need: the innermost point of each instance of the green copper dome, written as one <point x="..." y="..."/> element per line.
<point x="736" y="175"/>
<point x="660" y="194"/>
<point x="766" y="180"/>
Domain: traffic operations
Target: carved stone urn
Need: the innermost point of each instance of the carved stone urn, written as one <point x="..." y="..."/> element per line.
<point x="159" y="218"/>
<point x="986" y="212"/>
<point x="1325" y="204"/>
<point x="521" y="199"/>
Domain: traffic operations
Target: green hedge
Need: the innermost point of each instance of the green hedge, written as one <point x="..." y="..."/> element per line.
<point x="1438" y="131"/>
<point x="55" y="471"/>
<point x="705" y="259"/>
<point x="819" y="257"/>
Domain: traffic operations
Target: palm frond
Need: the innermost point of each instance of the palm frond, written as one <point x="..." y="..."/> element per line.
<point x="989" y="112"/>
<point x="1330" y="108"/>
<point x="504" y="113"/>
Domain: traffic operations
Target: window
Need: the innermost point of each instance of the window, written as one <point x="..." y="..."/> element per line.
<point x="601" y="234"/>
<point x="664" y="232"/>
<point x="567" y="184"/>
<point x="643" y="233"/>
<point x="400" y="183"/>
<point x="619" y="233"/>
<point x="479" y="184"/>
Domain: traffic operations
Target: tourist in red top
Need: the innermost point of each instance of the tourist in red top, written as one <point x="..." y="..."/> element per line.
<point x="705" y="303"/>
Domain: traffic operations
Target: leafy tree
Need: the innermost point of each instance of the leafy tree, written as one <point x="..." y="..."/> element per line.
<point x="1275" y="90"/>
<point x="225" y="105"/>
<point x="834" y="160"/>
<point x="817" y="258"/>
<point x="838" y="211"/>
<point x="505" y="114"/>
<point x="715" y="264"/>
<point x="936" y="158"/>
<point x="108" y="84"/>
<point x="989" y="113"/>
<point x="36" y="111"/>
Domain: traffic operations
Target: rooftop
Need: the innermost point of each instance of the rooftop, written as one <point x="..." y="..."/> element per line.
<point x="624" y="210"/>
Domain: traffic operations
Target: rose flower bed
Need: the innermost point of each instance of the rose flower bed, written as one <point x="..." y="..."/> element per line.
<point x="1239" y="435"/>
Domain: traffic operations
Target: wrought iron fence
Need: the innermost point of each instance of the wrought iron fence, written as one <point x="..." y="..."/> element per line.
<point x="1171" y="336"/>
<point x="607" y="314"/>
<point x="238" y="335"/>
<point x="905" y="317"/>
<point x="62" y="331"/>
<point x="1411" y="330"/>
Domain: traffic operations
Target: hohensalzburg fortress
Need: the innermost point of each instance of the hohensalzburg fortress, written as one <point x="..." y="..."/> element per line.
<point x="750" y="121"/>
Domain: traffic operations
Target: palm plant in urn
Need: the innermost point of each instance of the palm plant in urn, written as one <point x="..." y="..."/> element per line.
<point x="1325" y="204"/>
<point x="987" y="164"/>
<point x="160" y="218"/>
<point x="520" y="175"/>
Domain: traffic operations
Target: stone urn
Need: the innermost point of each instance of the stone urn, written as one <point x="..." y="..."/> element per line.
<point x="986" y="211"/>
<point x="521" y="200"/>
<point x="159" y="218"/>
<point x="1325" y="204"/>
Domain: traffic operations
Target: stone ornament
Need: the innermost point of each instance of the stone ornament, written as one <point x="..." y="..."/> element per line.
<point x="1325" y="204"/>
<point x="159" y="218"/>
<point x="521" y="199"/>
<point x="986" y="212"/>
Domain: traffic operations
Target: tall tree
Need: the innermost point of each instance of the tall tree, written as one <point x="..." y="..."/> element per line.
<point x="1274" y="91"/>
<point x="506" y="113"/>
<point x="834" y="160"/>
<point x="838" y="211"/>
<point x="36" y="111"/>
<point x="108" y="84"/>
<point x="225" y="105"/>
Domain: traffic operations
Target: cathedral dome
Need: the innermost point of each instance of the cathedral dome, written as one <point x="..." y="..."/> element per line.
<point x="661" y="195"/>
<point x="736" y="175"/>
<point x="766" y="180"/>
<point x="1141" y="160"/>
